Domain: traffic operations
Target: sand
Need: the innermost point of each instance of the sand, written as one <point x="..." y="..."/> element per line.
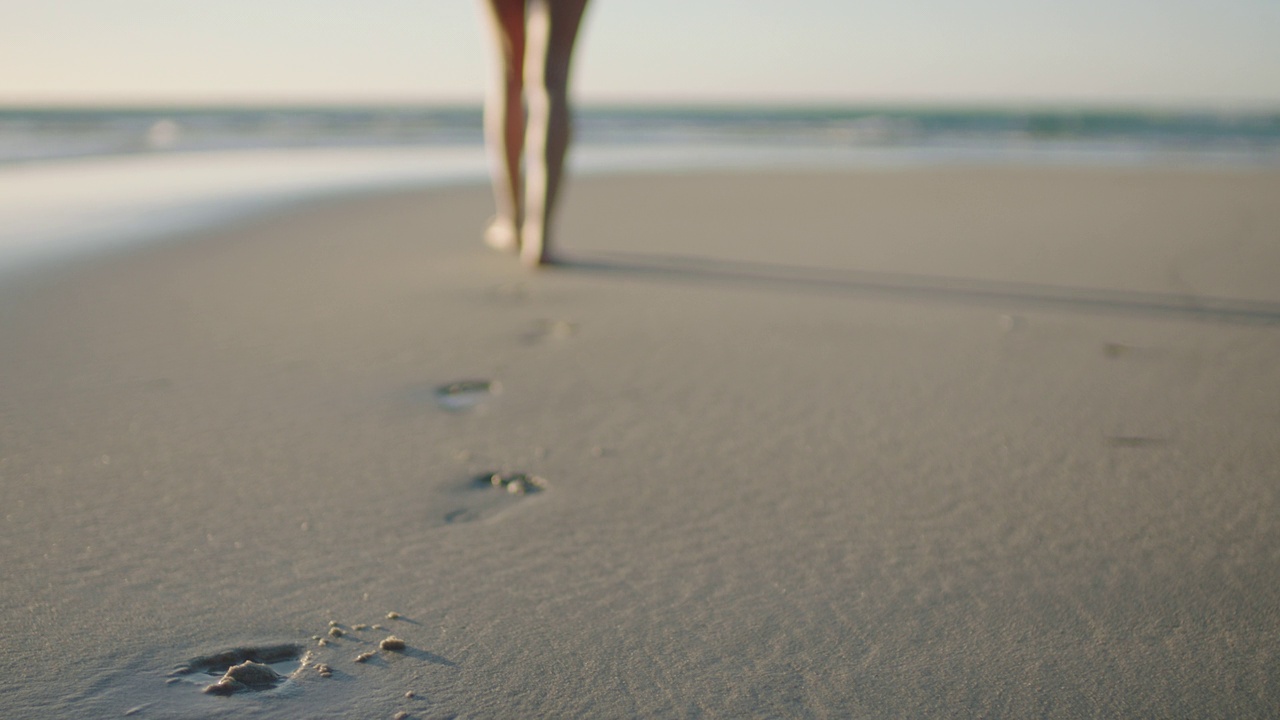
<point x="900" y="443"/>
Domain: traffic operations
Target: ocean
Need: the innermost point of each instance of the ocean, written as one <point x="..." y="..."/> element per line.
<point x="79" y="179"/>
<point x="1083" y="136"/>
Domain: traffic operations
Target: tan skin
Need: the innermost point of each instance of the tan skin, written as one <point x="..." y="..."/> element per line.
<point x="533" y="42"/>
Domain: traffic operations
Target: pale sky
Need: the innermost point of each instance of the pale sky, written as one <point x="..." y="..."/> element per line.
<point x="1207" y="53"/>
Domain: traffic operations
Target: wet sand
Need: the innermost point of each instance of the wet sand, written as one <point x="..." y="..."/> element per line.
<point x="897" y="443"/>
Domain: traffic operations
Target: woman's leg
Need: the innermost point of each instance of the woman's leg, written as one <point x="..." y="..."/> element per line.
<point x="504" y="119"/>
<point x="553" y="28"/>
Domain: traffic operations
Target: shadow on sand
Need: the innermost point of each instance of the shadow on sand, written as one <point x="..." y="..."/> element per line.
<point x="920" y="287"/>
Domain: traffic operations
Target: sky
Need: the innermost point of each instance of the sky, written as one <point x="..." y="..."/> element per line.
<point x="1178" y="53"/>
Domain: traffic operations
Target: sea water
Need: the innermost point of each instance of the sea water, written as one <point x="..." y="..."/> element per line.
<point x="74" y="180"/>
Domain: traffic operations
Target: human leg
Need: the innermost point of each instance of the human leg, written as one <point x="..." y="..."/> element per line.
<point x="553" y="28"/>
<point x="504" y="119"/>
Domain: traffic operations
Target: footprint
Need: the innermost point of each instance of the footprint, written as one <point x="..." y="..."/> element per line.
<point x="513" y="483"/>
<point x="461" y="515"/>
<point x="550" y="329"/>
<point x="1114" y="349"/>
<point x="465" y="394"/>
<point x="244" y="669"/>
<point x="490" y="493"/>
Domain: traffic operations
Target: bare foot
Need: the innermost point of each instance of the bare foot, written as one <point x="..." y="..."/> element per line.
<point x="501" y="235"/>
<point x="534" y="250"/>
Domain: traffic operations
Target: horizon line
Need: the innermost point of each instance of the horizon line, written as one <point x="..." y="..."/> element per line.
<point x="883" y="104"/>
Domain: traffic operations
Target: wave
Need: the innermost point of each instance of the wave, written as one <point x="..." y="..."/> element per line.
<point x="36" y="134"/>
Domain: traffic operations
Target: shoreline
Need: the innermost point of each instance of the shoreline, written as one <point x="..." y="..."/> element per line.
<point x="784" y="470"/>
<point x="52" y="210"/>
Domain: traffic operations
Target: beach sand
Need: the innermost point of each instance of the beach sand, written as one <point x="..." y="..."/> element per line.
<point x="894" y="443"/>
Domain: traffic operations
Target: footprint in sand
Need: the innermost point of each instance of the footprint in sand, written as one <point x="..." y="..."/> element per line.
<point x="465" y="394"/>
<point x="243" y="669"/>
<point x="271" y="668"/>
<point x="1115" y="350"/>
<point x="544" y="330"/>
<point x="488" y="493"/>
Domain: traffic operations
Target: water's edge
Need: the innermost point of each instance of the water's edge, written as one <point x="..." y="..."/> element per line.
<point x="60" y="208"/>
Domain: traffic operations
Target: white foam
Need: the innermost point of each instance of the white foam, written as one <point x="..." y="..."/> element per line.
<point x="49" y="210"/>
<point x="54" y="209"/>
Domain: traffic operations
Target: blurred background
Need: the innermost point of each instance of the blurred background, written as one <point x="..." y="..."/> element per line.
<point x="1170" y="53"/>
<point x="1190" y="73"/>
<point x="234" y="100"/>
